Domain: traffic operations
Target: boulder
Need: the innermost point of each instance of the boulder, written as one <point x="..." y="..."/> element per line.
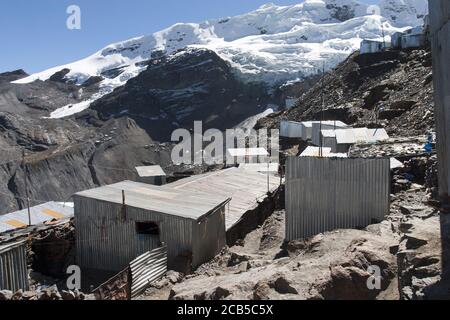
<point x="68" y="295"/>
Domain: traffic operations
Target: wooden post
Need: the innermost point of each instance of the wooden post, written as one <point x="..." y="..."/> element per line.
<point x="25" y="170"/>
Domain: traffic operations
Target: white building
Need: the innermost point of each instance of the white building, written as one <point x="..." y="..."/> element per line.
<point x="340" y="140"/>
<point x="324" y="125"/>
<point x="290" y="129"/>
<point x="325" y="153"/>
<point x="372" y="46"/>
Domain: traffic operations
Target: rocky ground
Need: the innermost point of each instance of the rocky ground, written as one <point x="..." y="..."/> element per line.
<point x="392" y="89"/>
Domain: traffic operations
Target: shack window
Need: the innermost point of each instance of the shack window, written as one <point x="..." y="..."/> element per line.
<point x="149" y="228"/>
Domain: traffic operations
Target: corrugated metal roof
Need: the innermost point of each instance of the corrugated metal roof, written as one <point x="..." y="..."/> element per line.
<point x="326" y="152"/>
<point x="328" y="122"/>
<point x="375" y="135"/>
<point x="9" y="246"/>
<point x="395" y="164"/>
<point x="182" y="203"/>
<point x="329" y="133"/>
<point x="355" y="135"/>
<point x="260" y="167"/>
<point x="150" y="171"/>
<point x="39" y="214"/>
<point x="243" y="152"/>
<point x="244" y="187"/>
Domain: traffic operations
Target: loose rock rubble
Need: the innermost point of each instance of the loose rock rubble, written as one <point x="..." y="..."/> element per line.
<point x="51" y="293"/>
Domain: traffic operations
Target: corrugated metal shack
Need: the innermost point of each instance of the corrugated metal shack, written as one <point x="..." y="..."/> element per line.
<point x="252" y="196"/>
<point x="39" y="214"/>
<point x="152" y="175"/>
<point x="317" y="127"/>
<point x="341" y="140"/>
<point x="110" y="234"/>
<point x="290" y="129"/>
<point x="410" y="41"/>
<point x="372" y="46"/>
<point x="13" y="266"/>
<point x="324" y="194"/>
<point x="304" y="130"/>
<point x="396" y="40"/>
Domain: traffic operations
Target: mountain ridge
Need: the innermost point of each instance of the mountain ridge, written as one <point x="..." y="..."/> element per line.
<point x="272" y="44"/>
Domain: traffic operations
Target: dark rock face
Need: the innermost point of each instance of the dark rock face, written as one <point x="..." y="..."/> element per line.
<point x="104" y="145"/>
<point x="75" y="158"/>
<point x="59" y="76"/>
<point x="181" y="88"/>
<point x="12" y="76"/>
<point x="39" y="98"/>
<point x="341" y="13"/>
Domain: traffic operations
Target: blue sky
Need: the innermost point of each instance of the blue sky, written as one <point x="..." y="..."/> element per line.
<point x="34" y="37"/>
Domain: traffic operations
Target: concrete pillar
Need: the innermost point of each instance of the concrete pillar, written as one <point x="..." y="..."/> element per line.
<point x="440" y="38"/>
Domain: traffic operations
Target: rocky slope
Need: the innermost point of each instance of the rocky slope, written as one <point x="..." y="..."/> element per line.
<point x="64" y="158"/>
<point x="391" y="89"/>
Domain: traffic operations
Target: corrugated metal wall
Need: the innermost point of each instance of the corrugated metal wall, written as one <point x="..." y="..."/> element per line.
<point x="146" y="269"/>
<point x="316" y="130"/>
<point x="105" y="242"/>
<point x="324" y="194"/>
<point x="291" y="129"/>
<point x="209" y="237"/>
<point x="13" y="267"/>
<point x="330" y="142"/>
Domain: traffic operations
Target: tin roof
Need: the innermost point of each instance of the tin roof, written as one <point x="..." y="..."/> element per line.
<point x="355" y="135"/>
<point x="39" y="214"/>
<point x="260" y="167"/>
<point x="328" y="133"/>
<point x="326" y="152"/>
<point x="9" y="246"/>
<point x="150" y="171"/>
<point x="181" y="203"/>
<point x="328" y="122"/>
<point x="242" y="152"/>
<point x="245" y="188"/>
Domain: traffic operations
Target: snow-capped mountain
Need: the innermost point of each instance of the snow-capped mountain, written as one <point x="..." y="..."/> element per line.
<point x="273" y="44"/>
